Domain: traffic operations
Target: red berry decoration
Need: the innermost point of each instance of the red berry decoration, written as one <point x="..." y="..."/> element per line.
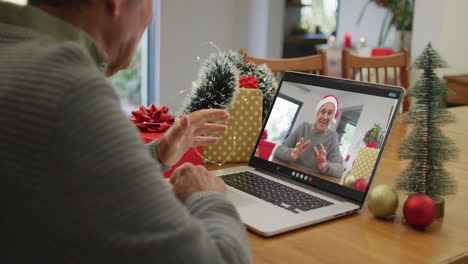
<point x="419" y="210"/>
<point x="361" y="185"/>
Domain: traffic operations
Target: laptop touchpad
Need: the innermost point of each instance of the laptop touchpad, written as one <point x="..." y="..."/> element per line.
<point x="239" y="199"/>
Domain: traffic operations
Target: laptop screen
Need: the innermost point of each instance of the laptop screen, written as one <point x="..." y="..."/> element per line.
<point x="328" y="132"/>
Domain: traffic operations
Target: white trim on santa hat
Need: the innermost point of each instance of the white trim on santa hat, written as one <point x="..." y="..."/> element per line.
<point x="328" y="99"/>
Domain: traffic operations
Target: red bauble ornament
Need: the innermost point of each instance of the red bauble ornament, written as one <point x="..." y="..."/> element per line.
<point x="419" y="210"/>
<point x="361" y="185"/>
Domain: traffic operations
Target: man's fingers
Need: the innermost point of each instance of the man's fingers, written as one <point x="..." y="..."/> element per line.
<point x="179" y="128"/>
<point x="307" y="143"/>
<point x="211" y="128"/>
<point x="301" y="141"/>
<point x="323" y="152"/>
<point x="316" y="152"/>
<point x="204" y="141"/>
<point x="203" y="116"/>
<point x="181" y="170"/>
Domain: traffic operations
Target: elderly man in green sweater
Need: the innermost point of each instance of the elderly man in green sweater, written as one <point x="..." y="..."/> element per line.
<point x="78" y="184"/>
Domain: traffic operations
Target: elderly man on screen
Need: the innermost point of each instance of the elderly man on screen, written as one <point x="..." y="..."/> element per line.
<point x="323" y="154"/>
<point x="78" y="184"/>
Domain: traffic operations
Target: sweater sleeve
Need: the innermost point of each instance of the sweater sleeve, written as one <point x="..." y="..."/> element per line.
<point x="334" y="158"/>
<point x="114" y="206"/>
<point x="153" y="150"/>
<point x="283" y="152"/>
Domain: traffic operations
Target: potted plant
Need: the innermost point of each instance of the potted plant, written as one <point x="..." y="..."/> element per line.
<point x="399" y="14"/>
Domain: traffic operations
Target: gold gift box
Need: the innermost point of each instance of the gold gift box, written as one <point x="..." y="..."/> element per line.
<point x="238" y="142"/>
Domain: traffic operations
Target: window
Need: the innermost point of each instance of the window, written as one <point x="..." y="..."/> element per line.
<point x="128" y="83"/>
<point x="346" y="128"/>
<point x="19" y="2"/>
<point x="282" y="118"/>
<point x="319" y="16"/>
<point x="347" y="138"/>
<point x="139" y="84"/>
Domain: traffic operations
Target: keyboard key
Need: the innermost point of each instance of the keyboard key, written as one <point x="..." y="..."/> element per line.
<point x="274" y="192"/>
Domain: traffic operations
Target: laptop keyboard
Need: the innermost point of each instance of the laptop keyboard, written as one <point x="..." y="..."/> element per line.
<point x="274" y="192"/>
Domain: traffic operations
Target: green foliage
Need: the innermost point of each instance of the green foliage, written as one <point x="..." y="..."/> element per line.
<point x="128" y="82"/>
<point x="426" y="146"/>
<point x="218" y="82"/>
<point x="316" y="14"/>
<point x="399" y="14"/>
<point x="266" y="83"/>
<point x="375" y="134"/>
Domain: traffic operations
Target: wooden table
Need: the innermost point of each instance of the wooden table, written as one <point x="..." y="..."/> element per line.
<point x="362" y="238"/>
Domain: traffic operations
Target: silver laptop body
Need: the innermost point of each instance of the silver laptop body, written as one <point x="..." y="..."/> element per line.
<point x="361" y="106"/>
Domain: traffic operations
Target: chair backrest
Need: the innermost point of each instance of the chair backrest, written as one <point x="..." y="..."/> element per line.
<point x="310" y="64"/>
<point x="390" y="69"/>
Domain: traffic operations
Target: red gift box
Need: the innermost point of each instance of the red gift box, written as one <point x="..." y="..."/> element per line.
<point x="265" y="148"/>
<point x="189" y="156"/>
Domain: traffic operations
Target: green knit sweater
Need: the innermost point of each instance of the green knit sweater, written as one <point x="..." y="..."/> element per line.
<point x="78" y="185"/>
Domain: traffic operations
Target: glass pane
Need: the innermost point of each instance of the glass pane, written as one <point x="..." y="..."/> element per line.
<point x="347" y="138"/>
<point x="19" y="2"/>
<point x="280" y="120"/>
<point x="319" y="16"/>
<point x="128" y="84"/>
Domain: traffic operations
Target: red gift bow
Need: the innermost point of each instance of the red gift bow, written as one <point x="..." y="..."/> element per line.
<point x="371" y="144"/>
<point x="248" y="82"/>
<point x="153" y="114"/>
<point x="264" y="135"/>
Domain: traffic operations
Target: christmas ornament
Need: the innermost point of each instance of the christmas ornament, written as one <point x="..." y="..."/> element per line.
<point x="426" y="146"/>
<point x="361" y="185"/>
<point x="419" y="210"/>
<point x="350" y="181"/>
<point x="382" y="201"/>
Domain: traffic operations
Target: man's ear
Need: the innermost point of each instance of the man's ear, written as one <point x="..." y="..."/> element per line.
<point x="114" y="7"/>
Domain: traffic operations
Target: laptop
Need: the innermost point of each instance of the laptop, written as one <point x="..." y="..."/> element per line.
<point x="274" y="194"/>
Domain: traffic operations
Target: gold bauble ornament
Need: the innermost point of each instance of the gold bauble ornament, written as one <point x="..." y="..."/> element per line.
<point x="350" y="181"/>
<point x="382" y="201"/>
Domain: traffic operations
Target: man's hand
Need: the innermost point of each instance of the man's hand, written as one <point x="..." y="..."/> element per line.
<point x="299" y="149"/>
<point x="189" y="179"/>
<point x="186" y="133"/>
<point x="321" y="158"/>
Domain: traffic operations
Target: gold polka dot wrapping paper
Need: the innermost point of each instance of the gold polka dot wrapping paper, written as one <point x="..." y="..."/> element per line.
<point x="245" y="125"/>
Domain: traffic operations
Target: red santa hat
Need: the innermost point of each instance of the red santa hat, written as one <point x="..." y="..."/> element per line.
<point x="328" y="99"/>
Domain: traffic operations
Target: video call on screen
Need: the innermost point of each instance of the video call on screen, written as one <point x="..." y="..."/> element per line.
<point x="360" y="126"/>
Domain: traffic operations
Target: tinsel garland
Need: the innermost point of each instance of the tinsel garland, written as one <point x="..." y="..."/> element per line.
<point x="426" y="146"/>
<point x="266" y="83"/>
<point x="218" y="82"/>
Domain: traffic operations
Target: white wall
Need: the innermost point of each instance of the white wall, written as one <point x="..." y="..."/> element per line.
<point x="442" y="23"/>
<point x="369" y="27"/>
<point x="454" y="37"/>
<point x="186" y="29"/>
<point x="188" y="26"/>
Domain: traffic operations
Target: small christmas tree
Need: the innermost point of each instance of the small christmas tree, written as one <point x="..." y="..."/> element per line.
<point x="426" y="146"/>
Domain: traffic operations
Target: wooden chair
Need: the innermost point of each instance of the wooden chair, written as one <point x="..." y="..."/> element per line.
<point x="391" y="69"/>
<point x="310" y="64"/>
